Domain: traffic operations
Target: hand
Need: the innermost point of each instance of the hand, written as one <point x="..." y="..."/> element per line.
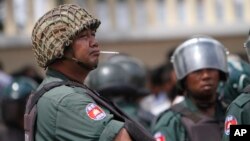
<point x="123" y="136"/>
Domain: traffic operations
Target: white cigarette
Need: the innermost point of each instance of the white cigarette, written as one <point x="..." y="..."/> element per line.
<point x="109" y="52"/>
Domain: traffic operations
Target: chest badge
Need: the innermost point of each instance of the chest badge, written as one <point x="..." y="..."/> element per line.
<point x="159" y="137"/>
<point x="230" y="120"/>
<point x="95" y="112"/>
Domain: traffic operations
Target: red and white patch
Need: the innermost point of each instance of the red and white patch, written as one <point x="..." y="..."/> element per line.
<point x="159" y="137"/>
<point x="95" y="112"/>
<point x="230" y="120"/>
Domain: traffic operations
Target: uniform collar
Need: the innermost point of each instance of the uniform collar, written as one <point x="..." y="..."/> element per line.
<point x="219" y="111"/>
<point x="54" y="73"/>
<point x="188" y="103"/>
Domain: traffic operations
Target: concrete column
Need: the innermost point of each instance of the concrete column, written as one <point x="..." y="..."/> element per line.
<point x="210" y="11"/>
<point x="151" y="12"/>
<point x="10" y="27"/>
<point x="191" y="7"/>
<point x="229" y="11"/>
<point x="112" y="13"/>
<point x="172" y="12"/>
<point x="30" y="17"/>
<point x="246" y="10"/>
<point x="91" y="5"/>
<point x="132" y="12"/>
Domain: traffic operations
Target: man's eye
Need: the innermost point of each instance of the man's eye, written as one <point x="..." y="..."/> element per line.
<point x="93" y="34"/>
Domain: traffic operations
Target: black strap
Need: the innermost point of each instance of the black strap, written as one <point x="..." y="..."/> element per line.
<point x="42" y="91"/>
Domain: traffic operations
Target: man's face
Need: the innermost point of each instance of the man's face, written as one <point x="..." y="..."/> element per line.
<point x="86" y="49"/>
<point x="202" y="84"/>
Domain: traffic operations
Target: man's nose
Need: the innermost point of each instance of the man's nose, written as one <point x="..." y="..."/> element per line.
<point x="206" y="73"/>
<point x="94" y="42"/>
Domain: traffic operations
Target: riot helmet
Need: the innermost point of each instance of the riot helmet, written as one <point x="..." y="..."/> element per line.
<point x="120" y="75"/>
<point x="14" y="100"/>
<point x="133" y="67"/>
<point x="108" y="79"/>
<point x="200" y="52"/>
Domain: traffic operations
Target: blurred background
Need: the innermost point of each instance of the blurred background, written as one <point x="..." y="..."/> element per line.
<point x="145" y="29"/>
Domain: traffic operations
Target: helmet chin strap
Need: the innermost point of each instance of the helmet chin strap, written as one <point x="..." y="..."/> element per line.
<point x="78" y="62"/>
<point x="82" y="64"/>
<point x="72" y="57"/>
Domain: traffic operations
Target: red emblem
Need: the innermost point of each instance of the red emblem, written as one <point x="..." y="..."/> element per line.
<point x="159" y="137"/>
<point x="230" y="120"/>
<point x="95" y="112"/>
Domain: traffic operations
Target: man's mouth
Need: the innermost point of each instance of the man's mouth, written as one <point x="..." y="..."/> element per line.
<point x="207" y="86"/>
<point x="95" y="53"/>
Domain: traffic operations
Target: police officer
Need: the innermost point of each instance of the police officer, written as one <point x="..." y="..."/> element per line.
<point x="12" y="107"/>
<point x="137" y="79"/>
<point x="159" y="84"/>
<point x="64" y="43"/>
<point x="200" y="63"/>
<point x="239" y="78"/>
<point x="238" y="111"/>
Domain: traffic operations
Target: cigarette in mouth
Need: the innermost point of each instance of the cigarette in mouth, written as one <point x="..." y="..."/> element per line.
<point x="109" y="52"/>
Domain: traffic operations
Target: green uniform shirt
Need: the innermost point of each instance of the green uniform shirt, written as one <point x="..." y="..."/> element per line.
<point x="168" y="127"/>
<point x="237" y="113"/>
<point x="129" y="108"/>
<point x="69" y="114"/>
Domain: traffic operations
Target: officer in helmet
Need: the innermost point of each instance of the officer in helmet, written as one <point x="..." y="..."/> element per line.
<point x="65" y="45"/>
<point x="13" y="106"/>
<point x="239" y="78"/>
<point x="159" y="84"/>
<point x="123" y="82"/>
<point x="238" y="111"/>
<point x="200" y="63"/>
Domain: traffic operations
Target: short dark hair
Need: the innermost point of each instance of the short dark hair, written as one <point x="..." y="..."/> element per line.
<point x="161" y="74"/>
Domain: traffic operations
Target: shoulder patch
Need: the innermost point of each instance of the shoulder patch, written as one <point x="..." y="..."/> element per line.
<point x="159" y="137"/>
<point x="95" y="112"/>
<point x="230" y="120"/>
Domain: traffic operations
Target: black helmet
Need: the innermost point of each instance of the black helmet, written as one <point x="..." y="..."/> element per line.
<point x="116" y="78"/>
<point x="133" y="67"/>
<point x="14" y="99"/>
<point x="107" y="76"/>
<point x="110" y="80"/>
